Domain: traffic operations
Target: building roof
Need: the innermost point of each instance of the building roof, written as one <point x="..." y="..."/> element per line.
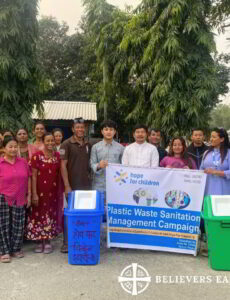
<point x="65" y="110"/>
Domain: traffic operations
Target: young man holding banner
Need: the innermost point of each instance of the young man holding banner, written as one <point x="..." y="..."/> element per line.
<point x="140" y="153"/>
<point x="104" y="152"/>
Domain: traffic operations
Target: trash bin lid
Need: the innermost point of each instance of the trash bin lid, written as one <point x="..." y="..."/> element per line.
<point x="220" y="205"/>
<point x="85" y="200"/>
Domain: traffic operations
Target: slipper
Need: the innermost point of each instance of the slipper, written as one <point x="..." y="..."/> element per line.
<point x="39" y="248"/>
<point x="18" y="254"/>
<point x="64" y="248"/>
<point x="48" y="249"/>
<point x="5" y="258"/>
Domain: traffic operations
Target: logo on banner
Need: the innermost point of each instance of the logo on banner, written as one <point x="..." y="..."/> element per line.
<point x="121" y="177"/>
<point x="177" y="199"/>
<point x="134" y="279"/>
<point x="150" y="197"/>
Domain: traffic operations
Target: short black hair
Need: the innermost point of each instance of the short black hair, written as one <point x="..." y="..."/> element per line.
<point x="197" y="129"/>
<point x="39" y="123"/>
<point x="58" y="130"/>
<point x="140" y="126"/>
<point x="108" y="123"/>
<point x="7" y="130"/>
<point x="46" y="134"/>
<point x="155" y="129"/>
<point x="22" y="128"/>
<point x="8" y="139"/>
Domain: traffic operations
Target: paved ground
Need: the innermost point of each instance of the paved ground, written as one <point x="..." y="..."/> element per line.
<point x="41" y="276"/>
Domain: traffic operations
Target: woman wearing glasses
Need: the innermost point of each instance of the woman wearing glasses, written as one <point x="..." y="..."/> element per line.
<point x="216" y="164"/>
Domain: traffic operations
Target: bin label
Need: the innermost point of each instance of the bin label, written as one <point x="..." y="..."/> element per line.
<point x="84" y="239"/>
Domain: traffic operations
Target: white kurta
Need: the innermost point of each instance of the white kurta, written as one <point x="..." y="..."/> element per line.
<point x="141" y="155"/>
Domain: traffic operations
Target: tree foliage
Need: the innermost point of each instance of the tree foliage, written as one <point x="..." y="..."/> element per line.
<point x="19" y="74"/>
<point x="106" y="25"/>
<point x="220" y="116"/>
<point x="219" y="16"/>
<point x="51" y="51"/>
<point x="157" y="64"/>
<point x="67" y="61"/>
<point x="170" y="56"/>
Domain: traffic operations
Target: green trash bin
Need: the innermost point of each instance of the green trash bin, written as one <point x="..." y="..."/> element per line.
<point x="216" y="215"/>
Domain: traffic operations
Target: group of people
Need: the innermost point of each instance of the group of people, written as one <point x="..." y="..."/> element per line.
<point x="34" y="177"/>
<point x="31" y="191"/>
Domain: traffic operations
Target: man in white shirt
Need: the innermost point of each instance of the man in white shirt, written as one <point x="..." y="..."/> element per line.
<point x="140" y="153"/>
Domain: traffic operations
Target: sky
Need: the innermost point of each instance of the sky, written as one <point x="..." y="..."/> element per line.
<point x="71" y="11"/>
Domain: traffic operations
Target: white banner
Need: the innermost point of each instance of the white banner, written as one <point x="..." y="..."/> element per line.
<point x="157" y="209"/>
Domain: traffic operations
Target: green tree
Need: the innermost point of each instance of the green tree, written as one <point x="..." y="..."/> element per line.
<point x="19" y="75"/>
<point x="220" y="116"/>
<point x="115" y="96"/>
<point x="120" y="93"/>
<point x="68" y="62"/>
<point x="99" y="13"/>
<point x="170" y="56"/>
<point x="219" y="16"/>
<point x="51" y="47"/>
<point x="84" y="78"/>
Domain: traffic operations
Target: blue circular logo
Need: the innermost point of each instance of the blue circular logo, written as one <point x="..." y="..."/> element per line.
<point x="177" y="199"/>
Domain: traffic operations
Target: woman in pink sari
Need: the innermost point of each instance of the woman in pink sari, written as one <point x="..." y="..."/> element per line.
<point x="45" y="216"/>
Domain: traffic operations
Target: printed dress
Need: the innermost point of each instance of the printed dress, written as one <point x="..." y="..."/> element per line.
<point x="44" y="220"/>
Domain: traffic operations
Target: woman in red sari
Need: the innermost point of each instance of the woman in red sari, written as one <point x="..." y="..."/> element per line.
<point x="45" y="217"/>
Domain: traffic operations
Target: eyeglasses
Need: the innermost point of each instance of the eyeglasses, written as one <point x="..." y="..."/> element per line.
<point x="78" y="121"/>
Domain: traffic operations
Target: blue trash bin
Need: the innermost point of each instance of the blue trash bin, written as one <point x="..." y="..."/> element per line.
<point x="84" y="229"/>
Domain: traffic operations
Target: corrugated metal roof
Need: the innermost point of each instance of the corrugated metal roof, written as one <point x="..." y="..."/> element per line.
<point x="64" y="110"/>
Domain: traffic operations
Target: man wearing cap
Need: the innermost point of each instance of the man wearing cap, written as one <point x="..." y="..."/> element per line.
<point x="75" y="155"/>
